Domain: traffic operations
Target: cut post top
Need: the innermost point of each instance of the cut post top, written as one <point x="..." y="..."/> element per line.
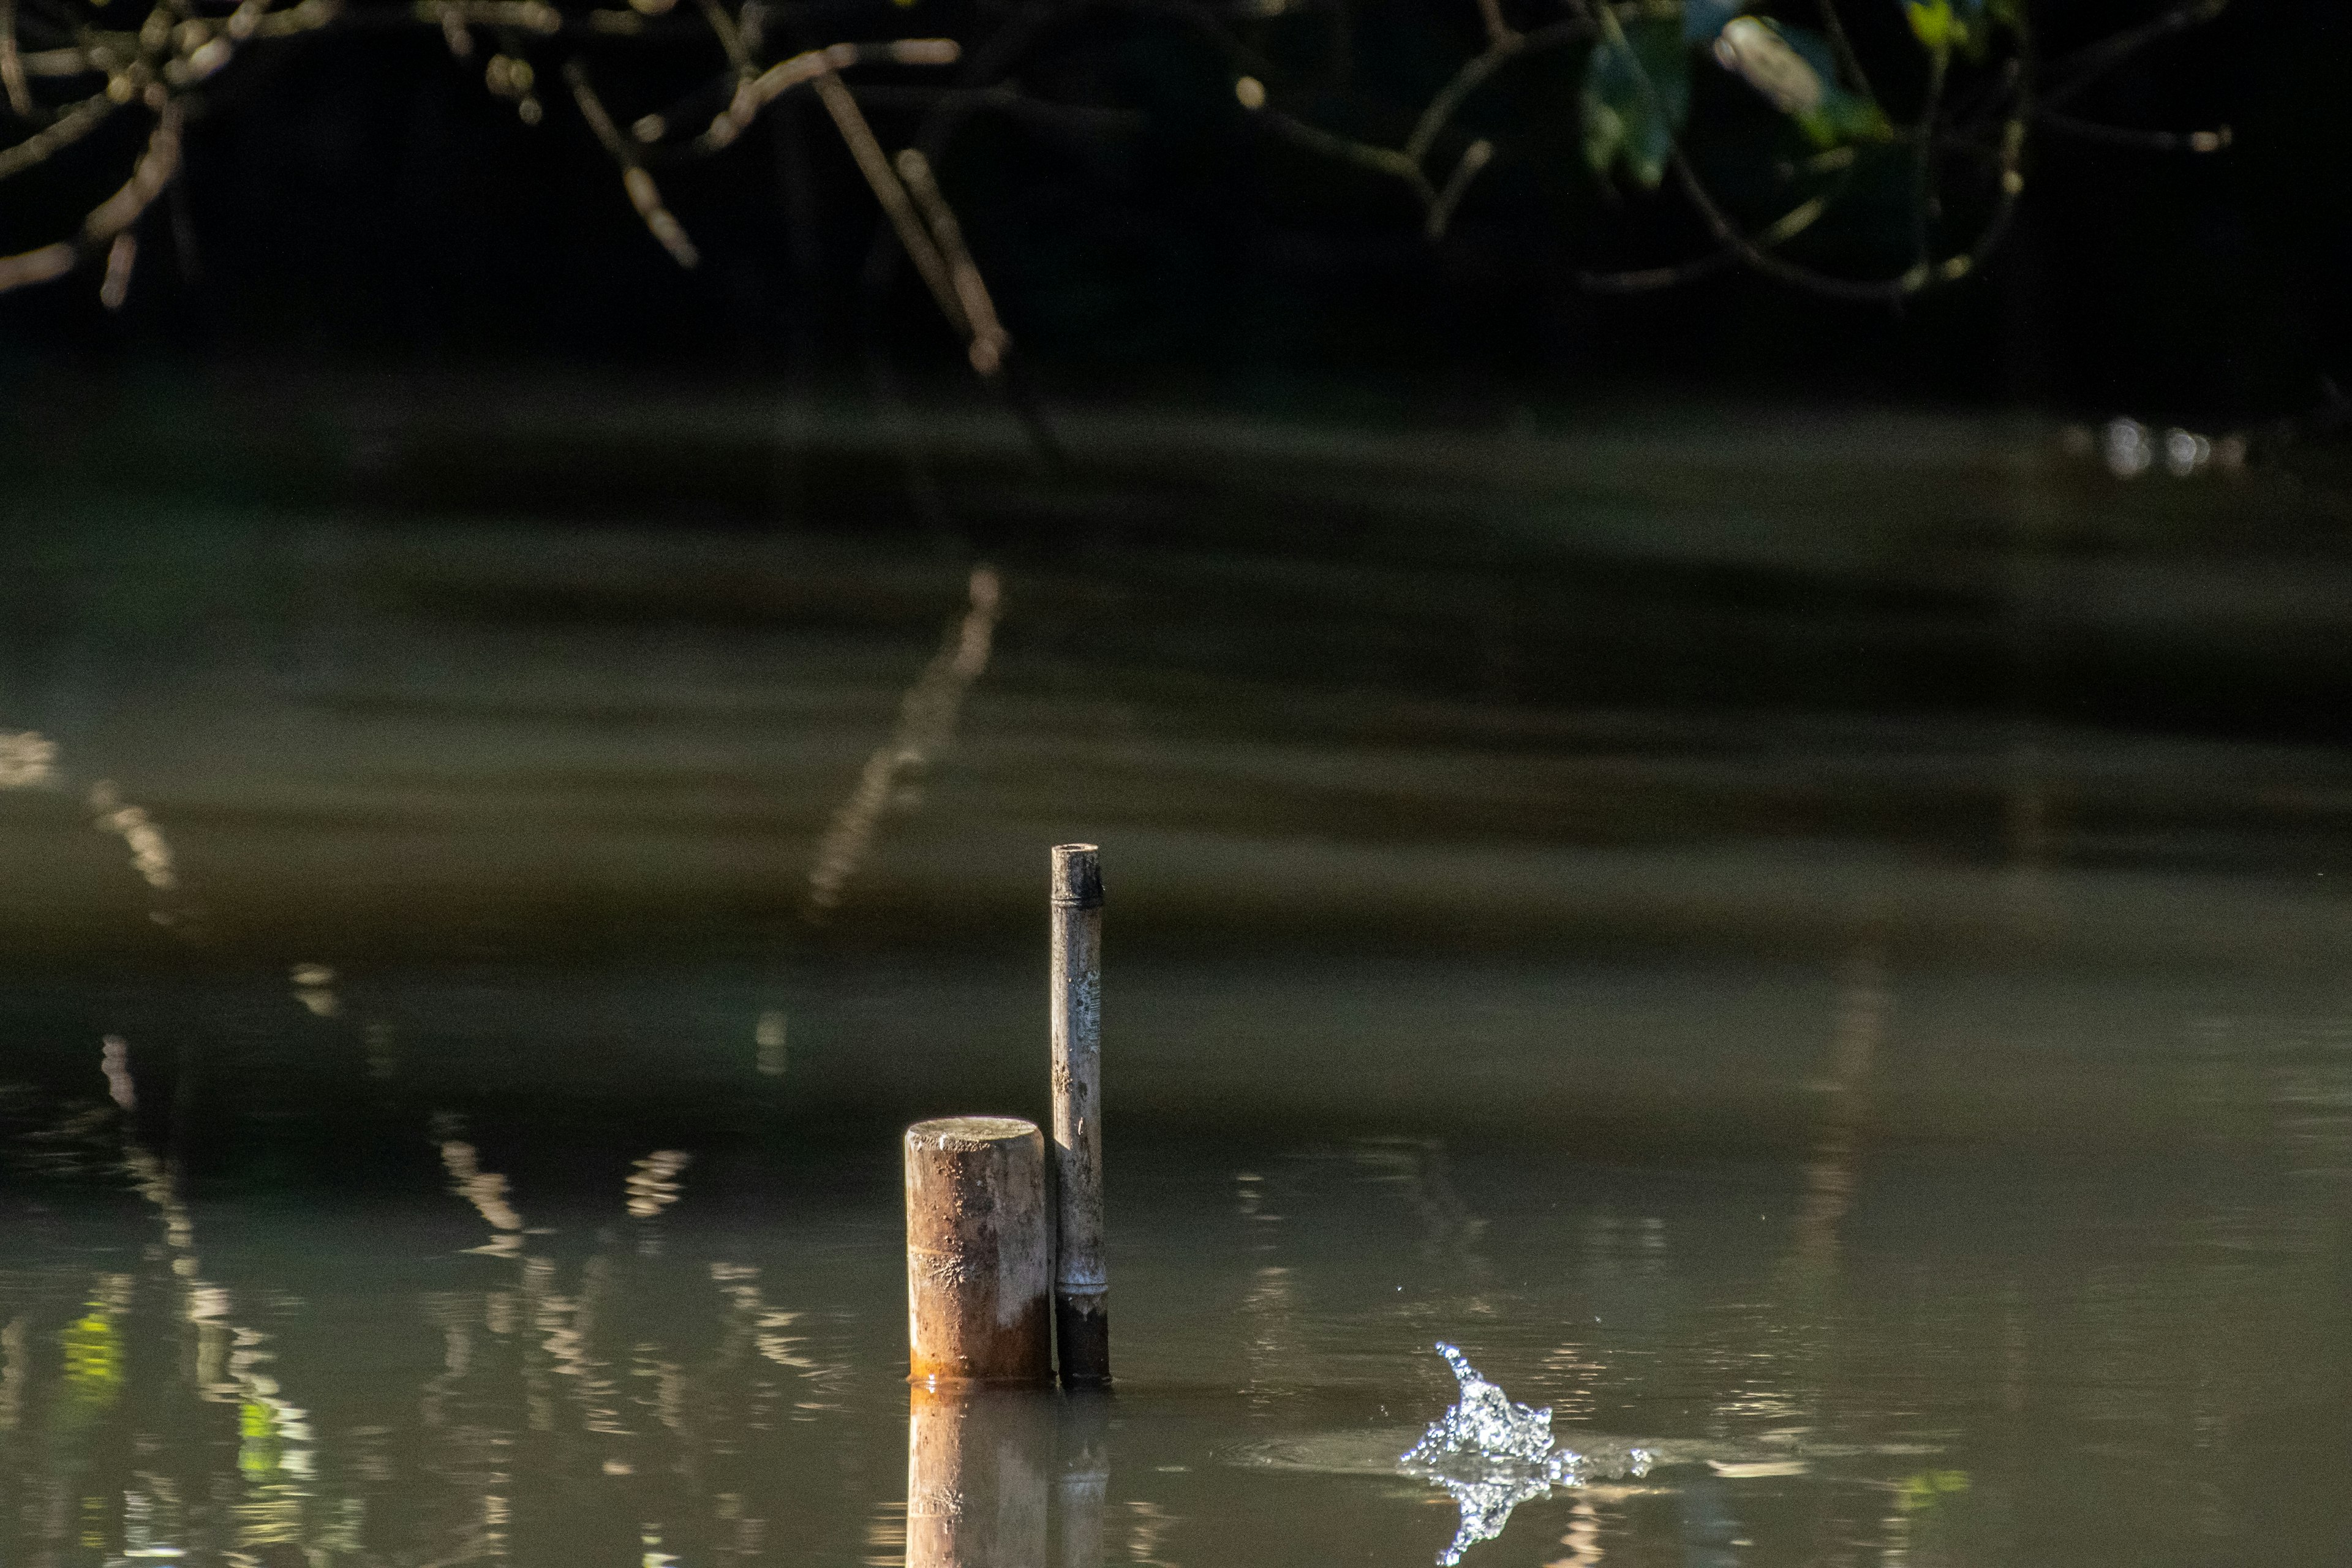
<point x="1078" y="876"/>
<point x="968" y="1134"/>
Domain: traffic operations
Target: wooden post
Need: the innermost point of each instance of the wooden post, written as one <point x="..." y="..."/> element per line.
<point x="976" y="1479"/>
<point x="979" y="1253"/>
<point x="1081" y="1283"/>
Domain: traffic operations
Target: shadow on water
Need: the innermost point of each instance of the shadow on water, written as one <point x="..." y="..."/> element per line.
<point x="463" y="984"/>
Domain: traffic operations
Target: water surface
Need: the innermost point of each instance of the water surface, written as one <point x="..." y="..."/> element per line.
<point x="1796" y="995"/>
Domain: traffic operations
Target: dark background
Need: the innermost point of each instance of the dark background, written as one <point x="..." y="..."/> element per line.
<point x="358" y="200"/>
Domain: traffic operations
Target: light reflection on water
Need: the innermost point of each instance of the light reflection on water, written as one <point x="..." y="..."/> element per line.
<point x="1933" y="1134"/>
<point x="356" y="1377"/>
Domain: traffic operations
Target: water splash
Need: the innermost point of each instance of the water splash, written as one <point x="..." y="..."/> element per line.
<point x="1493" y="1455"/>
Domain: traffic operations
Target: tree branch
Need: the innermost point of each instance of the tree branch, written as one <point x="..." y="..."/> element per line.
<point x="2214" y="141"/>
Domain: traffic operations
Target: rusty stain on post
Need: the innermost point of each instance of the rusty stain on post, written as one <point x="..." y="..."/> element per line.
<point x="979" y="1253"/>
<point x="1081" y="1284"/>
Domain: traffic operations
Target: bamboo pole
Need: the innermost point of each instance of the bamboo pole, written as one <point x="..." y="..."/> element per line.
<point x="1081" y="1284"/>
<point x="979" y="1253"/>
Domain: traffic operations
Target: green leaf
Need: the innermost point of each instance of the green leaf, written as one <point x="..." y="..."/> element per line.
<point x="1796" y="72"/>
<point x="1765" y="55"/>
<point x="1636" y="97"/>
<point x="1844" y="117"/>
<point x="1934" y="24"/>
<point x="1703" y="19"/>
<point x="1942" y="26"/>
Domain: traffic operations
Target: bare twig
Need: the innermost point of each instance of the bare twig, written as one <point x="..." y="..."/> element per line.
<point x="2078" y="71"/>
<point x="992" y="60"/>
<point x="1409" y="163"/>
<point x="39" y="265"/>
<point x="121" y="257"/>
<point x="156" y="166"/>
<point x="1475" y="157"/>
<point x="306" y="16"/>
<point x="1779" y="231"/>
<point x="66" y="129"/>
<point x="1922" y="157"/>
<point x="874" y="164"/>
<point x="2214" y="141"/>
<point x="1652" y="279"/>
<point x="1759" y="256"/>
<point x="731" y="38"/>
<point x="1978" y="121"/>
<point x="989" y="340"/>
<point x="1474" y="73"/>
<point x="755" y="94"/>
<point x="1921" y="275"/>
<point x="1499" y="32"/>
<point x="12" y="65"/>
<point x="158" y="162"/>
<point x="644" y="195"/>
<point x="522" y="15"/>
<point x="1849" y="61"/>
<point x="63" y="62"/>
<point x="1363" y="155"/>
<point x="156" y="67"/>
<point x="1079" y="118"/>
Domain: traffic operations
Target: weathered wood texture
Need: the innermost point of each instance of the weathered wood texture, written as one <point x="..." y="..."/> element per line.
<point x="979" y="1252"/>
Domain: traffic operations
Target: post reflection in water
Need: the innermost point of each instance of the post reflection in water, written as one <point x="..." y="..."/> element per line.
<point x="1084" y="1482"/>
<point x="977" y="1468"/>
<point x="976" y="1478"/>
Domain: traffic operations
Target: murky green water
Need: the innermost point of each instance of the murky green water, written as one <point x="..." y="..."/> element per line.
<point x="1816" y="1031"/>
